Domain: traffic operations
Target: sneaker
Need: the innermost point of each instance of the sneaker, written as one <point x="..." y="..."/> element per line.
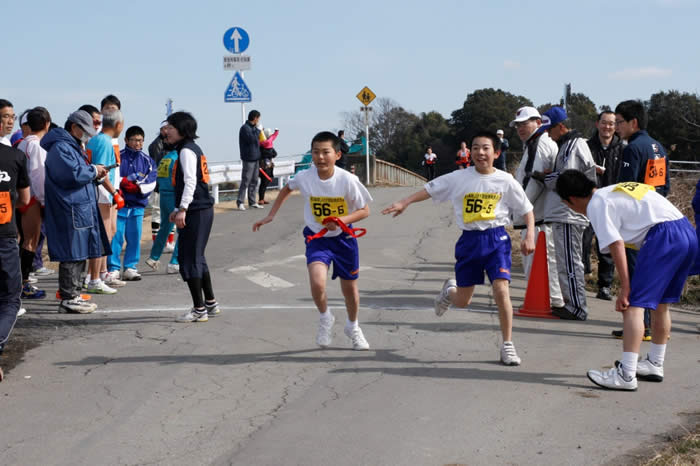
<point x="646" y="337"/>
<point x="212" y="309"/>
<point x="169" y="248"/>
<point x="442" y="301"/>
<point x="508" y="355"/>
<point x="153" y="264"/>
<point x="564" y="314"/>
<point x="241" y="206"/>
<point x="43" y="272"/>
<point x="358" y="339"/>
<point x="21" y="312"/>
<point x="194" y="316"/>
<point x="131" y="275"/>
<point x="256" y="206"/>
<point x="30" y="291"/>
<point x="325" y="331"/>
<point x="32" y="279"/>
<point x="173" y="268"/>
<point x="100" y="287"/>
<point x="77" y="305"/>
<point x="112" y="279"/>
<point x="612" y="378"/>
<point x="647" y="370"/>
<point x="604" y="293"/>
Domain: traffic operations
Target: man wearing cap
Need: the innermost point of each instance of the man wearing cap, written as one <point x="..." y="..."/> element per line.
<point x="73" y="224"/>
<point x="500" y="161"/>
<point x="539" y="152"/>
<point x="567" y="225"/>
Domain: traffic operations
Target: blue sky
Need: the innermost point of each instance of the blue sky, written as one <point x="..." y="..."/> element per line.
<point x="310" y="58"/>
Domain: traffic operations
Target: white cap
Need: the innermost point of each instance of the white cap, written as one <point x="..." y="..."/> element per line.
<point x="524" y="114"/>
<point x="499" y="132"/>
<point x="23" y="120"/>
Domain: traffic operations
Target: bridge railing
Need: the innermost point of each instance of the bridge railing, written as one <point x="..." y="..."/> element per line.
<point x="389" y="173"/>
<point x="231" y="173"/>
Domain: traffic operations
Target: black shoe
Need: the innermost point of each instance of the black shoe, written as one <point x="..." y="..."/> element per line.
<point x="618" y="334"/>
<point x="604" y="293"/>
<point x="564" y="314"/>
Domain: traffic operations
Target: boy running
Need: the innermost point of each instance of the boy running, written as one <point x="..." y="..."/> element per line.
<point x="634" y="215"/>
<point x="338" y="194"/>
<point x="484" y="201"/>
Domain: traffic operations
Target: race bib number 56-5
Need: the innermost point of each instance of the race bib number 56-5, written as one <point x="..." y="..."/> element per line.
<point x="479" y="206"/>
<point x="322" y="207"/>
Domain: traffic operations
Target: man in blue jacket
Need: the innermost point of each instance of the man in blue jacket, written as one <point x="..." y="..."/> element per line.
<point x="73" y="224"/>
<point x="249" y="145"/>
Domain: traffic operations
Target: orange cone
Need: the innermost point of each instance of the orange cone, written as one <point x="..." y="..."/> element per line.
<point x="537" y="294"/>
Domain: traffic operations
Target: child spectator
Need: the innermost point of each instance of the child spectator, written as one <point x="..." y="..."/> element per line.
<point x="267" y="153"/>
<point x="335" y="193"/>
<point x="167" y="205"/>
<point x="138" y="174"/>
<point x="484" y="201"/>
<point x="430" y="161"/>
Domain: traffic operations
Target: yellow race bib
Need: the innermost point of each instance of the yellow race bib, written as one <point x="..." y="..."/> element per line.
<point x="636" y="190"/>
<point x="322" y="207"/>
<point x="164" y="168"/>
<point x="479" y="206"/>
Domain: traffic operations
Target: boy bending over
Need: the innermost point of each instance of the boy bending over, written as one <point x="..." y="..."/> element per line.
<point x="484" y="201"/>
<point x="329" y="192"/>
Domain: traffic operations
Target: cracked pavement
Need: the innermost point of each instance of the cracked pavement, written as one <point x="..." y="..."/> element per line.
<point x="250" y="387"/>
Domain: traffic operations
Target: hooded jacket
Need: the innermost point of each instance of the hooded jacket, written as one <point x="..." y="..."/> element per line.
<point x="140" y="169"/>
<point x="538" y="155"/>
<point x="609" y="157"/>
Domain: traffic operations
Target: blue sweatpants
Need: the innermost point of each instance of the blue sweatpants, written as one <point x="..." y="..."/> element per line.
<point x="167" y="205"/>
<point x="129" y="227"/>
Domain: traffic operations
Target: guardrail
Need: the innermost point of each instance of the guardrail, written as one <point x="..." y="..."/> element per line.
<point x="683" y="170"/>
<point x="231" y="173"/>
<point x="387" y="172"/>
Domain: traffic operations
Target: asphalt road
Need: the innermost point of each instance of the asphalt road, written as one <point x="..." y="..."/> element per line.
<point x="128" y="385"/>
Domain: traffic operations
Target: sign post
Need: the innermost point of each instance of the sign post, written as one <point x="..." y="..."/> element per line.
<point x="366" y="96"/>
<point x="236" y="41"/>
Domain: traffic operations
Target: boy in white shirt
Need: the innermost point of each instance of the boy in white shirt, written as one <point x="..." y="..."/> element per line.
<point x="329" y="192"/>
<point x="484" y="201"/>
<point x="634" y="215"/>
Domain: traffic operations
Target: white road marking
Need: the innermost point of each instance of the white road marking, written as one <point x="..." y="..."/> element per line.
<point x="264" y="279"/>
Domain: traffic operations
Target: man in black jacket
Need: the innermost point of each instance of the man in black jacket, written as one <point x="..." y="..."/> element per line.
<point x="606" y="148"/>
<point x="249" y="145"/>
<point x="344" y="149"/>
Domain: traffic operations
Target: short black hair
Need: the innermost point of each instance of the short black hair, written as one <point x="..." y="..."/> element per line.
<point x="574" y="183"/>
<point x="605" y="112"/>
<point x="134" y="131"/>
<point x="37" y="118"/>
<point x="91" y="109"/>
<point x="185" y="124"/>
<point x="341" y="133"/>
<point x="631" y="109"/>
<point x="5" y="103"/>
<point x="490" y="135"/>
<point x="253" y="114"/>
<point x="111" y="99"/>
<point x="327" y="136"/>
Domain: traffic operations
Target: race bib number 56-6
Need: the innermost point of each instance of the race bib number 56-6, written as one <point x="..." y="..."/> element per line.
<point x="322" y="207"/>
<point x="479" y="206"/>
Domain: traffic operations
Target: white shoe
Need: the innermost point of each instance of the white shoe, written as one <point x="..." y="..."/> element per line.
<point x="132" y="275"/>
<point x="42" y="272"/>
<point x="508" y="355"/>
<point x="32" y="279"/>
<point x="173" y="268"/>
<point x="112" y="279"/>
<point x="212" y="309"/>
<point x="358" y="339"/>
<point x="21" y="312"/>
<point x="325" y="331"/>
<point x="442" y="301"/>
<point x="99" y="287"/>
<point x="169" y="248"/>
<point x="256" y="206"/>
<point x="647" y="370"/>
<point x="241" y="206"/>
<point x="153" y="264"/>
<point x="77" y="305"/>
<point x="612" y="379"/>
<point x="194" y="316"/>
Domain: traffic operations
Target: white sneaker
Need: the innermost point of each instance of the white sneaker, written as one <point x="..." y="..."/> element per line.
<point x="647" y="370"/>
<point x="132" y="275"/>
<point x="169" y="248"/>
<point x="173" y="268"/>
<point x="358" y="339"/>
<point x="194" y="316"/>
<point x="612" y="378"/>
<point x="153" y="264"/>
<point x="99" y="287"/>
<point x="21" y="312"/>
<point x="32" y="279"/>
<point x="241" y="206"/>
<point x="256" y="206"/>
<point x="77" y="305"/>
<point x="442" y="301"/>
<point x="42" y="272"/>
<point x="212" y="309"/>
<point x="112" y="279"/>
<point x="325" y="331"/>
<point x="508" y="355"/>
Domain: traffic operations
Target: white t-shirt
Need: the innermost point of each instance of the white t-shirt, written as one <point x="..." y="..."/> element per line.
<point x="480" y="201"/>
<point x="341" y="194"/>
<point x="5" y="140"/>
<point x="616" y="215"/>
<point x="430" y="157"/>
<point x="35" y="165"/>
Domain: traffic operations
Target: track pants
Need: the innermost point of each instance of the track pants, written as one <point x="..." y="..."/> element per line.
<point x="568" y="244"/>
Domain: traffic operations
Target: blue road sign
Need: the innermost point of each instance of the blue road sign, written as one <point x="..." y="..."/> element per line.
<point x="237" y="90"/>
<point x="236" y="40"/>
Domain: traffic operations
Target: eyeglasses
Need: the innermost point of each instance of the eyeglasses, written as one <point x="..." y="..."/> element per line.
<point x="619" y="122"/>
<point x="9" y="116"/>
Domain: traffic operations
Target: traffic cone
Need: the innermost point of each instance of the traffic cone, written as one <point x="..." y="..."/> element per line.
<point x="537" y="294"/>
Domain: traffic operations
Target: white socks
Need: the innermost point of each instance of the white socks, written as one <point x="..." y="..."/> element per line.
<point x="326" y="316"/>
<point x="656" y="354"/>
<point x="350" y="324"/>
<point x="629" y="364"/>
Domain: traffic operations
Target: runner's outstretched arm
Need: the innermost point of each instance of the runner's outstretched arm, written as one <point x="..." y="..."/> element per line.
<point x="283" y="195"/>
<point x="398" y="207"/>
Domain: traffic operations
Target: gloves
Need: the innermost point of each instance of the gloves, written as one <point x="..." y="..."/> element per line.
<point x="118" y="200"/>
<point x="129" y="186"/>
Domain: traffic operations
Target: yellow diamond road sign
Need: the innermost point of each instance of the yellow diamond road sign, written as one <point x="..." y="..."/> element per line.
<point x="366" y="96"/>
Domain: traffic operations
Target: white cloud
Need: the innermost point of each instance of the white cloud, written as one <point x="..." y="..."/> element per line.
<point x="511" y="64"/>
<point x="642" y="72"/>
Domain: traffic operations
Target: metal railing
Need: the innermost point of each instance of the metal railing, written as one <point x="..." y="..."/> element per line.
<point x="389" y="173"/>
<point x="231" y="173"/>
<point x="683" y="170"/>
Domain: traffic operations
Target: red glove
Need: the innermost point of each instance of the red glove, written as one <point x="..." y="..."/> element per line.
<point x="129" y="186"/>
<point x="118" y="200"/>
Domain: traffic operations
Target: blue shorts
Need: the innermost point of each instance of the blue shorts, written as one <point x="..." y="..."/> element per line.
<point x="340" y="250"/>
<point x="479" y="251"/>
<point x="663" y="263"/>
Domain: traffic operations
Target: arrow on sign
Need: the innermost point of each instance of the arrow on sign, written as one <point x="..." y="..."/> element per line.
<point x="235" y="37"/>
